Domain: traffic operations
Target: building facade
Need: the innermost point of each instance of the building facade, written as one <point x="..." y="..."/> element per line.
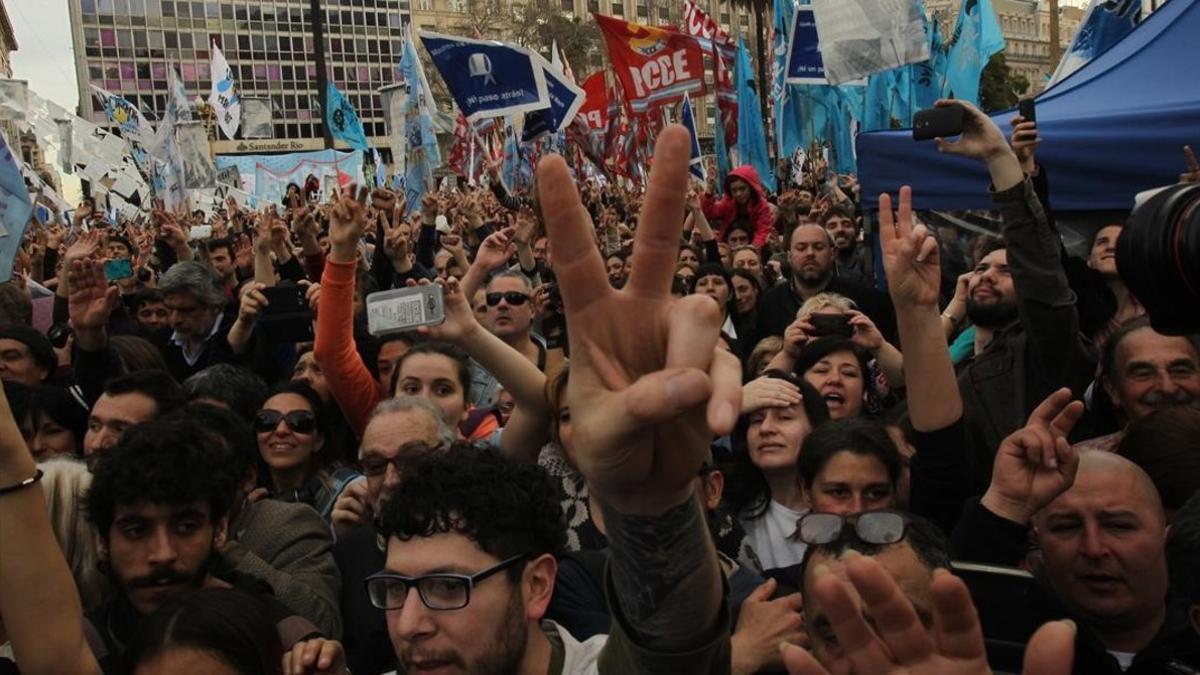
<point x="127" y="47"/>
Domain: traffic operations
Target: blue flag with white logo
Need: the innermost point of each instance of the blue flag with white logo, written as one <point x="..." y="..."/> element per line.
<point x="15" y="208"/>
<point x="488" y="78"/>
<point x="1107" y="23"/>
<point x="343" y="121"/>
<point x="686" y="118"/>
<point x="976" y="39"/>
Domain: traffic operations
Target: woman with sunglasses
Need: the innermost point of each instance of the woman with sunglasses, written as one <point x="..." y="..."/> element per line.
<point x="764" y="489"/>
<point x="292" y="431"/>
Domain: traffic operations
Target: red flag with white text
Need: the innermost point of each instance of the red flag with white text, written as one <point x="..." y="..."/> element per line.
<point x="655" y="66"/>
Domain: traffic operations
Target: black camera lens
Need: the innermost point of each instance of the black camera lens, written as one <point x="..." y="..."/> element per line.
<point x="1158" y="258"/>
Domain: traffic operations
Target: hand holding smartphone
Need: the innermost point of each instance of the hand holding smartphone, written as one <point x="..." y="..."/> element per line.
<point x="940" y="122"/>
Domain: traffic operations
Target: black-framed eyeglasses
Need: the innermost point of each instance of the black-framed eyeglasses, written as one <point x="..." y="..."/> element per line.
<point x="438" y="592"/>
<point x="375" y="465"/>
<point x="871" y="527"/>
<point x="299" y="421"/>
<point x="511" y="297"/>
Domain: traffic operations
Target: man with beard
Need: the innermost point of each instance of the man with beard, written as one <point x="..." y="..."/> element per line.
<point x="812" y="260"/>
<point x="1143" y="371"/>
<point x="510" y="315"/>
<point x="850" y="257"/>
<point x="1028" y="342"/>
<point x="159" y="502"/>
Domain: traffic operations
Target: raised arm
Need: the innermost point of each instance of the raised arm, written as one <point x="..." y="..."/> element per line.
<point x="648" y="390"/>
<point x="351" y="384"/>
<point x="38" y="600"/>
<point x="911" y="261"/>
<point x="1045" y="301"/>
<point x="513" y="371"/>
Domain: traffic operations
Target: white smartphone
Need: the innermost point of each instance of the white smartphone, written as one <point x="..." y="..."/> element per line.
<point x="199" y="232"/>
<point x="404" y="309"/>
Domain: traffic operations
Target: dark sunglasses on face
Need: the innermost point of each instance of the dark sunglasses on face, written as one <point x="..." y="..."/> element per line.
<point x="299" y="421"/>
<point x="872" y="527"/>
<point x="511" y="297"/>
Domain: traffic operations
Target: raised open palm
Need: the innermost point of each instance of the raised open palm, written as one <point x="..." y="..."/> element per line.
<point x="648" y="386"/>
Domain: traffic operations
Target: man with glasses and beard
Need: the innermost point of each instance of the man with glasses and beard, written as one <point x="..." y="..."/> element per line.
<point x="159" y="503"/>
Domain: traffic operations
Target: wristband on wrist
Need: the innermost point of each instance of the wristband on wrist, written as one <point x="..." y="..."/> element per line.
<point x="37" y="476"/>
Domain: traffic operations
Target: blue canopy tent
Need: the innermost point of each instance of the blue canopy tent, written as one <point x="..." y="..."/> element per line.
<point x="1111" y="129"/>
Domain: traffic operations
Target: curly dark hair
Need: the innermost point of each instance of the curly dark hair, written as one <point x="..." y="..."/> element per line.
<point x="164" y="461"/>
<point x="506" y="508"/>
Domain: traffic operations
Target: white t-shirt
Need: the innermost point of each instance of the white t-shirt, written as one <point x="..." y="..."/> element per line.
<point x="770" y="536"/>
<point x="1124" y="659"/>
<point x="579" y="658"/>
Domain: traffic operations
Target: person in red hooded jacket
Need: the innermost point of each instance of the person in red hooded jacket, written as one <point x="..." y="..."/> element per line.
<point x="744" y="205"/>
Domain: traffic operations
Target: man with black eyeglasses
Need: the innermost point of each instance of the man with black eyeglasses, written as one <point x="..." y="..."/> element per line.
<point x="510" y="313"/>
<point x="400" y="430"/>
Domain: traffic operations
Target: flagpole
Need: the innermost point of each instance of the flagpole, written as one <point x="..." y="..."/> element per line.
<point x="318" y="28"/>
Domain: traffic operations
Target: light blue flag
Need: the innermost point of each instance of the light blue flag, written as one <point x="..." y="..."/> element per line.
<point x="751" y="138"/>
<point x="976" y="39"/>
<point x="788" y="135"/>
<point x="420" y="141"/>
<point x="1107" y="23"/>
<point x="695" y="163"/>
<point x="877" y="107"/>
<point x="927" y="76"/>
<point x="343" y="121"/>
<point x="178" y="105"/>
<point x="851" y="100"/>
<point x="15" y="209"/>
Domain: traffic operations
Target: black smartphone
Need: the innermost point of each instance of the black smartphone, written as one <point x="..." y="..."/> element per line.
<point x="831" y="324"/>
<point x="287" y="316"/>
<point x="942" y="122"/>
<point x="1026" y="109"/>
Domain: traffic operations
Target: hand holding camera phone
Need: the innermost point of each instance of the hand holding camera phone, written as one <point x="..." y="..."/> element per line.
<point x="939" y="122"/>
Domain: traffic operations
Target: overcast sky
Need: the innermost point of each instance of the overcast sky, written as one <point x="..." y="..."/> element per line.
<point x="45" y="59"/>
<point x="44" y="55"/>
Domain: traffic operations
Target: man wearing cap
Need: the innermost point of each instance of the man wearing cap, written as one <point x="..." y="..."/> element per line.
<point x="26" y="356"/>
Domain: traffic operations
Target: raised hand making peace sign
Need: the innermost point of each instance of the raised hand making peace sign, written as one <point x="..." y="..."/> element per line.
<point x="648" y="386"/>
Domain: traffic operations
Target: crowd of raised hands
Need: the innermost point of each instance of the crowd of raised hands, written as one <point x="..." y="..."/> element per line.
<point x="690" y="381"/>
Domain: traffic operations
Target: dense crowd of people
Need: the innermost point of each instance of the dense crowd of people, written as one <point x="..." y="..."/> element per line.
<point x="677" y="429"/>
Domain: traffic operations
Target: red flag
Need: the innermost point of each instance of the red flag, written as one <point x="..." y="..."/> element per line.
<point x="655" y="66"/>
<point x="697" y="23"/>
<point x="727" y="103"/>
<point x="460" y="148"/>
<point x="595" y="104"/>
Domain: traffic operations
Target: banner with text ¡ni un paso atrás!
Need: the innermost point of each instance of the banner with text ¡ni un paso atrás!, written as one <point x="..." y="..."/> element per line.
<point x="655" y="66"/>
<point x="804" y="64"/>
<point x="487" y="78"/>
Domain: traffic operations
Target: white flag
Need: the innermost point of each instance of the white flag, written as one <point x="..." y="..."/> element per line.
<point x="224" y="98"/>
<point x="178" y="105"/>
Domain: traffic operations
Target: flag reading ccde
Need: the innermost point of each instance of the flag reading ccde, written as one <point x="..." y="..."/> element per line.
<point x="656" y="66"/>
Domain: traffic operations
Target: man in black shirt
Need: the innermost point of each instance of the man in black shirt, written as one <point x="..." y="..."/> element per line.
<point x="812" y="260"/>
